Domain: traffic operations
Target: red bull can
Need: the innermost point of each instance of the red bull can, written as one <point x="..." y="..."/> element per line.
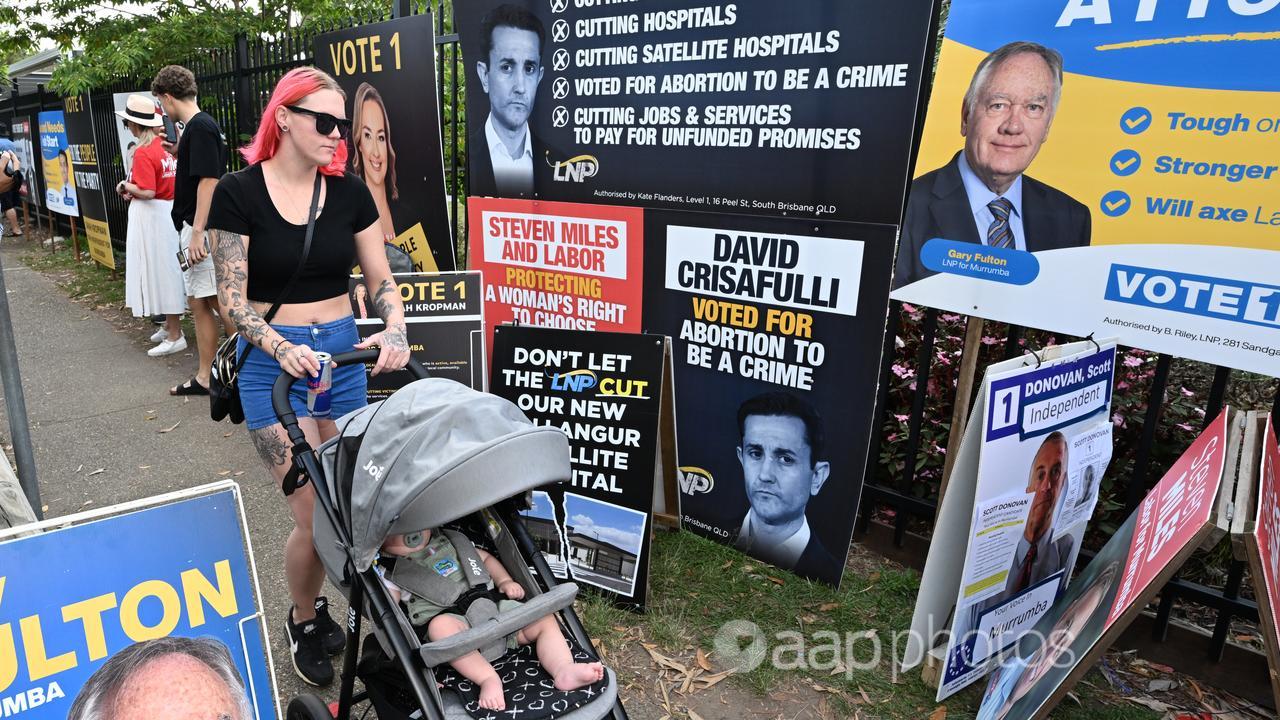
<point x="318" y="387"/>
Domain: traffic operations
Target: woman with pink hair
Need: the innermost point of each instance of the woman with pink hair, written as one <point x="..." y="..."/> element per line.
<point x="259" y="219"/>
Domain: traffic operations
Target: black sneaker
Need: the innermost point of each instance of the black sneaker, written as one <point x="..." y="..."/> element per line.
<point x="306" y="649"/>
<point x="331" y="633"/>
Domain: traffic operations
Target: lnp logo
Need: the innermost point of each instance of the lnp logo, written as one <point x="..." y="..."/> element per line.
<point x="574" y="381"/>
<point x="696" y="481"/>
<point x="575" y="169"/>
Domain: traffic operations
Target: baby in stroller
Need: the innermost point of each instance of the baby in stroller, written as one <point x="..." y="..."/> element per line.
<point x="443" y="579"/>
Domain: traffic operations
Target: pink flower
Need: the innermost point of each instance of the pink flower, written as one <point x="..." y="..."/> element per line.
<point x="1187" y="427"/>
<point x="902" y="418"/>
<point x="1118" y="419"/>
<point x="988" y="340"/>
<point x="1131" y="361"/>
<point x="902" y="371"/>
<point x="908" y="307"/>
<point x="1187" y="393"/>
<point x="1122" y="385"/>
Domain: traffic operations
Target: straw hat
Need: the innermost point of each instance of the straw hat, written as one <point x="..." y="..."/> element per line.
<point x="141" y="109"/>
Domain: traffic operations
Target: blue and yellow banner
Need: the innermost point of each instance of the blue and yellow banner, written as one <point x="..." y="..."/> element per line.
<point x="173" y="579"/>
<point x="1159" y="161"/>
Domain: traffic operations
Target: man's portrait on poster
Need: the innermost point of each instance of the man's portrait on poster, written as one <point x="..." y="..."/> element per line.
<point x="507" y="157"/>
<point x="781" y="442"/>
<point x="983" y="194"/>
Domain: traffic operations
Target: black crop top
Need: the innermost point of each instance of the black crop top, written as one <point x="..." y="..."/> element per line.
<point x="242" y="205"/>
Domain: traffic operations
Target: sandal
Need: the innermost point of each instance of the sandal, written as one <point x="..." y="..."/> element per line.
<point x="190" y="387"/>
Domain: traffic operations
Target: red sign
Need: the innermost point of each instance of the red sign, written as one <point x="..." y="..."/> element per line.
<point x="1267" y="525"/>
<point x="558" y="265"/>
<point x="1173" y="512"/>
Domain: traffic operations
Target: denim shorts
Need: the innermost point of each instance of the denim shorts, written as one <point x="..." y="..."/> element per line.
<point x="350" y="385"/>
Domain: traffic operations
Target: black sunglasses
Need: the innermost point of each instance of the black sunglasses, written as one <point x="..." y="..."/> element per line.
<point x="325" y="123"/>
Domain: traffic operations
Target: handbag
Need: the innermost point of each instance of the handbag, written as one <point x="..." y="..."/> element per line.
<point x="224" y="388"/>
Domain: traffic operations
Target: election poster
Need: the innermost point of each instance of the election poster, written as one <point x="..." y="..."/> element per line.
<point x="1109" y="168"/>
<point x="22" y="133"/>
<point x="559" y="265"/>
<point x="55" y="159"/>
<point x="720" y="107"/>
<point x="777" y="327"/>
<point x="1263" y="549"/>
<point x="128" y="143"/>
<point x="88" y="182"/>
<point x="154" y="595"/>
<point x="1118" y="583"/>
<point x="603" y="389"/>
<point x="1043" y="431"/>
<point x="444" y="318"/>
<point x="388" y="72"/>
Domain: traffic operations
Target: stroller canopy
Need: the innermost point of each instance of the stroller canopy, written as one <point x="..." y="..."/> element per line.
<point x="434" y="451"/>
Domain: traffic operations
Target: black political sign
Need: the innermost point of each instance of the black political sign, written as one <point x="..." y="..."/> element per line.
<point x="444" y="317"/>
<point x="388" y="72"/>
<point x="777" y="327"/>
<point x="88" y="182"/>
<point x="805" y="110"/>
<point x="604" y="391"/>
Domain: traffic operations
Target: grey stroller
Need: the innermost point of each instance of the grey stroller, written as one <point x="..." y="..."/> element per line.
<point x="435" y="454"/>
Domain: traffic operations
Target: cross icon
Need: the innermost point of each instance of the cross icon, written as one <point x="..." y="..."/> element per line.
<point x="560" y="116"/>
<point x="527" y="685"/>
<point x="560" y="60"/>
<point x="560" y="31"/>
<point x="558" y="6"/>
<point x="560" y="88"/>
<point x="515" y="711"/>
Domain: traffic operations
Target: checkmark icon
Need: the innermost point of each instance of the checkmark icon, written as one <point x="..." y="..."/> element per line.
<point x="1115" y="203"/>
<point x="1135" y="120"/>
<point x="1125" y="163"/>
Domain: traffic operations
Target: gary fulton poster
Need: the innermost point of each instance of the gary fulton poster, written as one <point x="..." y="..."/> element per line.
<point x="777" y="328"/>
<point x="81" y="604"/>
<point x="604" y="390"/>
<point x="743" y="107"/>
<point x="1140" y="204"/>
<point x="388" y="73"/>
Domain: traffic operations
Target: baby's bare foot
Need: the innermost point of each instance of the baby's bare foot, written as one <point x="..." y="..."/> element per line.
<point x="491" y="694"/>
<point x="576" y="675"/>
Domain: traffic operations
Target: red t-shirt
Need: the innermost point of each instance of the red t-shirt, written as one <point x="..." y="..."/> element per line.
<point x="154" y="169"/>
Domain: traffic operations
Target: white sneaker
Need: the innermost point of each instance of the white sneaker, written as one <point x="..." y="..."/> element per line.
<point x="159" y="335"/>
<point x="169" y="347"/>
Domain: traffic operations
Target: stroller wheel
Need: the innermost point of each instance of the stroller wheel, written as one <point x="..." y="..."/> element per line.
<point x="307" y="707"/>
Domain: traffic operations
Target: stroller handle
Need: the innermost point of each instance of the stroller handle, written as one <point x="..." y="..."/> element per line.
<point x="280" y="391"/>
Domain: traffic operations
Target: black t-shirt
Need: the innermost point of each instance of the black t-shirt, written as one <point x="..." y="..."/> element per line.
<point x="202" y="153"/>
<point x="241" y="204"/>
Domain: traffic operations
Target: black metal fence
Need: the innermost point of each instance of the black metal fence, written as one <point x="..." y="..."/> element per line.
<point x="234" y="85"/>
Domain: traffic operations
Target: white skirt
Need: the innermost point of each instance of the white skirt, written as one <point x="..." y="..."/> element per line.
<point x="152" y="279"/>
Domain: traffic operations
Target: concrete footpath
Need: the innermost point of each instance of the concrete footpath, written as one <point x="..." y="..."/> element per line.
<point x="106" y="430"/>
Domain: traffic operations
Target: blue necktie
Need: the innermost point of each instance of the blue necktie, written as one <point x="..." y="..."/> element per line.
<point x="1000" y="234"/>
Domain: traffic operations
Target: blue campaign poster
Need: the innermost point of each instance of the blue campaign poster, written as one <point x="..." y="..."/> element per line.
<point x="55" y="151"/>
<point x="73" y="598"/>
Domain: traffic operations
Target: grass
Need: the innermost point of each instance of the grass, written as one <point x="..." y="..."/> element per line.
<point x="696" y="586"/>
<point x="84" y="280"/>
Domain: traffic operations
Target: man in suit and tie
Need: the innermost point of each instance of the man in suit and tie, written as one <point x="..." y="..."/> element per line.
<point x="983" y="196"/>
<point x="1037" y="556"/>
<point x="782" y="439"/>
<point x="506" y="156"/>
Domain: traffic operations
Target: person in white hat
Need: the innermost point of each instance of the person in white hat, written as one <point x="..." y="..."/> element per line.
<point x="153" y="279"/>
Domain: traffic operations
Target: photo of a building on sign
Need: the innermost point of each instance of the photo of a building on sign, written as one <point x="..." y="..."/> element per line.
<point x="604" y="542"/>
<point x="540" y="521"/>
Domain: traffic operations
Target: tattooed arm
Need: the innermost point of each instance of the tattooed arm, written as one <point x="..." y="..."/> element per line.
<point x="394" y="340"/>
<point x="231" y="267"/>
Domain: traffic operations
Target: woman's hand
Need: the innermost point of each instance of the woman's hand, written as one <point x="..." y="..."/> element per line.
<point x="297" y="360"/>
<point x="394" y="345"/>
<point x="511" y="589"/>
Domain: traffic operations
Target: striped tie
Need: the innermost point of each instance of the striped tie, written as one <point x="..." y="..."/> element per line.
<point x="1000" y="235"/>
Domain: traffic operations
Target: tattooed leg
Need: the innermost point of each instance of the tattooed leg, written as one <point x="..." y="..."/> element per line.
<point x="271" y="446"/>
